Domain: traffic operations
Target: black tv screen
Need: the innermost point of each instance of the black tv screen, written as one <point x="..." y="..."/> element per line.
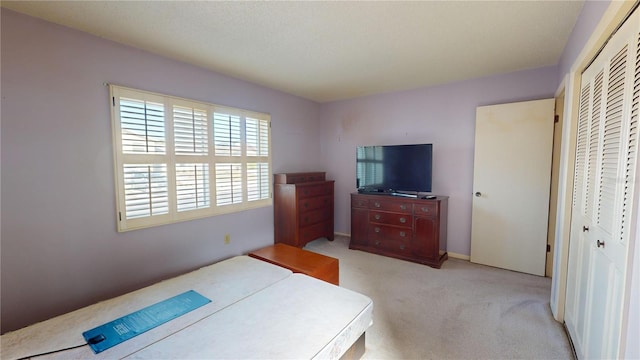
<point x="394" y="168"/>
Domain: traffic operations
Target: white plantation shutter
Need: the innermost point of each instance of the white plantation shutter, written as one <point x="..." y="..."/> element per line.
<point x="190" y="131"/>
<point x="146" y="190"/>
<point x="258" y="178"/>
<point x="257" y="137"/>
<point x="143" y="127"/>
<point x="226" y="134"/>
<point x="178" y="159"/>
<point x="192" y="186"/>
<point x="257" y="151"/>
<point x="228" y="184"/>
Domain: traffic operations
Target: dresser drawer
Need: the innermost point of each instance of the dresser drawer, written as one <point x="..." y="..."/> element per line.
<point x="387" y="205"/>
<point x="359" y="202"/>
<point x="310" y="233"/>
<point x="295" y="178"/>
<point x="314" y="203"/>
<point x="425" y="209"/>
<point x="382" y="217"/>
<point x="390" y="239"/>
<point x="385" y="232"/>
<point x="305" y="191"/>
<point x="314" y="216"/>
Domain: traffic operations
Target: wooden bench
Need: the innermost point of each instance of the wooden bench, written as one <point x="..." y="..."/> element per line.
<point x="300" y="261"/>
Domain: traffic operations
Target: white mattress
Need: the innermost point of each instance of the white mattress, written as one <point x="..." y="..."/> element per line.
<point x="225" y="283"/>
<point x="258" y="310"/>
<point x="297" y="318"/>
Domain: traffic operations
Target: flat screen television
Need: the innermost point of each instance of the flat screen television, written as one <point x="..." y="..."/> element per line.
<point x="394" y="168"/>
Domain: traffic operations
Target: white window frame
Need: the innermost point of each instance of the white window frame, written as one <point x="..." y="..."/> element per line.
<point x="256" y="156"/>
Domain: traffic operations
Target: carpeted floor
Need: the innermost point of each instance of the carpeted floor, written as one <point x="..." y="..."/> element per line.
<point x="461" y="311"/>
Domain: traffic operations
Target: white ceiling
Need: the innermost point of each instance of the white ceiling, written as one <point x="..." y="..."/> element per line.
<point x="327" y="51"/>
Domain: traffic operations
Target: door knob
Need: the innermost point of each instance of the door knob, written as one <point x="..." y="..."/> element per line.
<point x="478" y="194"/>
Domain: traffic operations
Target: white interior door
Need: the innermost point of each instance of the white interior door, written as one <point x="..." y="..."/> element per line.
<point x="511" y="182"/>
<point x="603" y="196"/>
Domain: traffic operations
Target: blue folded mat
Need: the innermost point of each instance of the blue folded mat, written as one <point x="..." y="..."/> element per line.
<point x="113" y="333"/>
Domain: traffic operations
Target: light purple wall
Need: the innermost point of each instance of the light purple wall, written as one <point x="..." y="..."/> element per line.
<point x="443" y="115"/>
<point x="60" y="247"/>
<point x="590" y="15"/>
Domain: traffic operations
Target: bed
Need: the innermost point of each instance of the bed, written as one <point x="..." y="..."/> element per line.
<point x="257" y="310"/>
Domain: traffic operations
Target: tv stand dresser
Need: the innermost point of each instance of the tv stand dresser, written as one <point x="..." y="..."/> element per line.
<point x="412" y="229"/>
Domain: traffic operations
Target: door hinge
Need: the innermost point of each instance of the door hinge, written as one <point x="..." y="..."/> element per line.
<point x="548" y="248"/>
<point x="120" y="215"/>
<point x="113" y="99"/>
<point x="556" y="118"/>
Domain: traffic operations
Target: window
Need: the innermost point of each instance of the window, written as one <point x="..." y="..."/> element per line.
<point x="177" y="159"/>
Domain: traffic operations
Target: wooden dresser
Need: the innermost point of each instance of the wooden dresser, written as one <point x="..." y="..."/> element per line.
<point x="303" y="208"/>
<point x="404" y="228"/>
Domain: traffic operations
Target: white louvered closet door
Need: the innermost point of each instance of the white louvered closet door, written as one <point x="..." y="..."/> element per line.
<point x="603" y="195"/>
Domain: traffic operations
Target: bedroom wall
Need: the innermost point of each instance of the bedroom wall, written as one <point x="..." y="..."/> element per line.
<point x="60" y="247"/>
<point x="443" y="115"/>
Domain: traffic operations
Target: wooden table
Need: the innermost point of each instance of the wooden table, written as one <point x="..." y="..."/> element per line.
<point x="300" y="261"/>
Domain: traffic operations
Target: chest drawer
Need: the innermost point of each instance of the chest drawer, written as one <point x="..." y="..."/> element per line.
<point x="387" y="205"/>
<point x="295" y="178"/>
<point x="305" y="191"/>
<point x="314" y="203"/>
<point x="382" y="217"/>
<point x="312" y="232"/>
<point x="314" y="216"/>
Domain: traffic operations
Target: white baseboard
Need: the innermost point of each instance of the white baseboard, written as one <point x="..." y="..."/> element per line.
<point x="451" y="254"/>
<point x="458" y="256"/>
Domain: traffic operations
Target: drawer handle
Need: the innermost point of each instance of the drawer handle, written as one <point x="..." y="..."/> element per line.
<point x="403" y="207"/>
<point x="377" y="216"/>
<point x="401" y="246"/>
<point x="306" y="205"/>
<point x="376" y="204"/>
<point x="425" y="209"/>
<point x="378" y="243"/>
<point x="403" y="220"/>
<point x="306" y="192"/>
<point x="403" y="234"/>
<point x="377" y="229"/>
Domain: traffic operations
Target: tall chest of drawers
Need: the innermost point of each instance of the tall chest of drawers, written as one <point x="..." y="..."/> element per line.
<point x="404" y="228"/>
<point x="303" y="208"/>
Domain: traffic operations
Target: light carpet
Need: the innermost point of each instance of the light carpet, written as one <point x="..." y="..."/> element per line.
<point x="461" y="311"/>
